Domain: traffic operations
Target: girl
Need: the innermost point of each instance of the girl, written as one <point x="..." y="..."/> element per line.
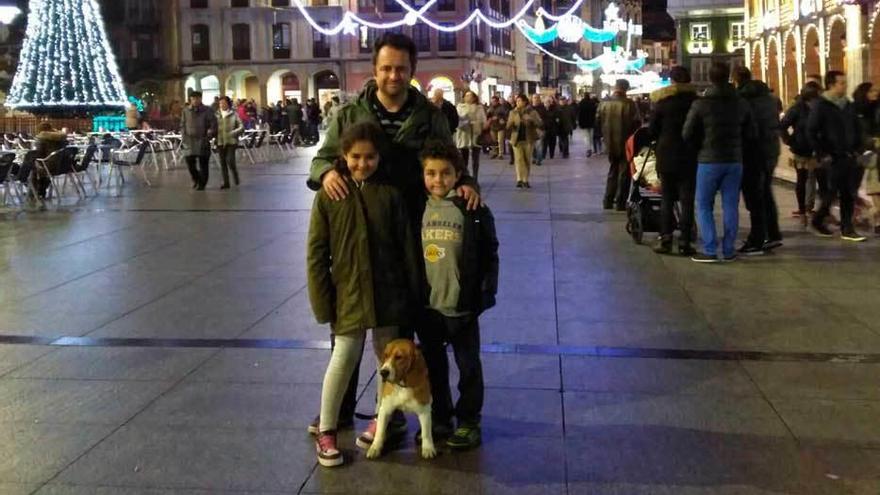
<point x="363" y="271"/>
<point x="229" y="127"/>
<point x="522" y="125"/>
<point x="471" y="121"/>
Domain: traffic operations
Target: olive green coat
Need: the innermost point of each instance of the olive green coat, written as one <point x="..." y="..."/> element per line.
<point x="362" y="259"/>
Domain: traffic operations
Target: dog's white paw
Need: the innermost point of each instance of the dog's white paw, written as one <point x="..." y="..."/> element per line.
<point x="428" y="452"/>
<point x="374" y="452"/>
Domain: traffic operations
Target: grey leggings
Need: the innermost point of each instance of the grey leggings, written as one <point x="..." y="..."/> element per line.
<point x="346" y="355"/>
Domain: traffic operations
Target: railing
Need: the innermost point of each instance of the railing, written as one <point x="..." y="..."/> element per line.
<point x="29" y="125"/>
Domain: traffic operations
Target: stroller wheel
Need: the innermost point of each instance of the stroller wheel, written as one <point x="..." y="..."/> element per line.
<point x="634" y="223"/>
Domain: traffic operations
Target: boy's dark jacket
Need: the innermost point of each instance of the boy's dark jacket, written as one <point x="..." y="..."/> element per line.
<point x="478" y="269"/>
<point x="371" y="278"/>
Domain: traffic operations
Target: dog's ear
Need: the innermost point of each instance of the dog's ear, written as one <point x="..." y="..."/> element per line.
<point x="418" y="368"/>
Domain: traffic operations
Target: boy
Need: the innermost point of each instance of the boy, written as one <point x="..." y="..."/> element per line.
<point x="460" y="249"/>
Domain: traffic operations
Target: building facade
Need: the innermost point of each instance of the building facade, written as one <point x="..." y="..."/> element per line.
<point x="708" y="31"/>
<point x="266" y="50"/>
<point x="143" y="35"/>
<point x="790" y="40"/>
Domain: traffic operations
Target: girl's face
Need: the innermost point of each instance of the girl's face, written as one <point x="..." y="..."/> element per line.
<point x="362" y="160"/>
<point x="470" y="97"/>
<point x="520" y="103"/>
<point x="223" y="105"/>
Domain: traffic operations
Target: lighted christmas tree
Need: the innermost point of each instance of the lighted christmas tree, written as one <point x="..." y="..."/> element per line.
<point x="66" y="64"/>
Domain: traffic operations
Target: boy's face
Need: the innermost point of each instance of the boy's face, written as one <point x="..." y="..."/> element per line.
<point x="362" y="160"/>
<point x="440" y="177"/>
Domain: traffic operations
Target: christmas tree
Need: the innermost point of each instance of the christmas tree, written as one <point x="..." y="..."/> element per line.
<point x="66" y="64"/>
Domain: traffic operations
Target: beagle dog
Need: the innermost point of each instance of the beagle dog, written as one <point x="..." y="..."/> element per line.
<point x="405" y="387"/>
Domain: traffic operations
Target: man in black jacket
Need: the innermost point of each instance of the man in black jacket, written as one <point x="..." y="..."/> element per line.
<point x="760" y="157"/>
<point x="447" y="108"/>
<point x="798" y="141"/>
<point x="718" y="125"/>
<point x="587" y="120"/>
<point x="833" y="128"/>
<point x="676" y="160"/>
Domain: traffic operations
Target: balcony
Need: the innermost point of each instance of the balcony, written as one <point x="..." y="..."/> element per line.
<point x="689" y="8"/>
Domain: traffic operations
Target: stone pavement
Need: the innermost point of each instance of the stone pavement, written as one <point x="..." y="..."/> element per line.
<point x="192" y="363"/>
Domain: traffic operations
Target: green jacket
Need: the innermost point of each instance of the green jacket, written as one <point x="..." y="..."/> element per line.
<point x="362" y="259"/>
<point x="400" y="155"/>
<point x="620" y="118"/>
<point x="228" y="128"/>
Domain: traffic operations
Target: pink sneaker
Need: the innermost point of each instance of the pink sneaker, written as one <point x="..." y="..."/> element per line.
<point x="365" y="440"/>
<point x="328" y="454"/>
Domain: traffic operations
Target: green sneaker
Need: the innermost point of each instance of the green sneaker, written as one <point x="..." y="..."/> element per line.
<point x="465" y="437"/>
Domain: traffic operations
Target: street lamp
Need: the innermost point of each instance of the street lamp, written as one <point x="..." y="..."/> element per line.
<point x="8" y="11"/>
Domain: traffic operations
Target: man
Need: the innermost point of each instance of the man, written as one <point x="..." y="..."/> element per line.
<point x="498" y="124"/>
<point x="447" y="108"/>
<point x="198" y="125"/>
<point x="538" y="106"/>
<point x="760" y="157"/>
<point x="676" y="160"/>
<point x="313" y="115"/>
<point x="567" y="118"/>
<point x="619" y="118"/>
<point x="408" y="119"/>
<point x="587" y="120"/>
<point x="834" y="131"/>
<point x="717" y="125"/>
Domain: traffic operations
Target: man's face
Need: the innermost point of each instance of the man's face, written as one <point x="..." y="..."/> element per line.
<point x="437" y="97"/>
<point x="495" y="101"/>
<point x="839" y="86"/>
<point x="393" y="71"/>
<point x="536" y="100"/>
<point x="195" y="100"/>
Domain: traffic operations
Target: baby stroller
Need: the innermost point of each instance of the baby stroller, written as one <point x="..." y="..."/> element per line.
<point x="643" y="202"/>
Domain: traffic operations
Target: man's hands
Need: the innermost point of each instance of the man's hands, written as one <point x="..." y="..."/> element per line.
<point x="334" y="185"/>
<point x="471" y="195"/>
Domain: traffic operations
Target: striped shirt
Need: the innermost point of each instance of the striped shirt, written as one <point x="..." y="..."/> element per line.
<point x="391" y="122"/>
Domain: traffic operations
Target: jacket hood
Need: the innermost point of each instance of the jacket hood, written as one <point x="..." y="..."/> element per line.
<point x="752" y="89"/>
<point x="672" y="90"/>
<point x="371" y="88"/>
<point x="725" y="90"/>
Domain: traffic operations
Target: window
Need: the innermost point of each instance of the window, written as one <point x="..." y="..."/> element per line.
<point x="701" y="39"/>
<point x="700" y="69"/>
<point x="320" y="47"/>
<point x="143" y="47"/>
<point x="422" y="37"/>
<point x="505" y="9"/>
<point x="495" y="47"/>
<point x="366" y="39"/>
<point x="281" y="40"/>
<point x="198" y="4"/>
<point x="477" y="43"/>
<point x="738" y="34"/>
<point x="446" y="5"/>
<point x="446" y="41"/>
<point x="392" y="6"/>
<point x="281" y="3"/>
<point x="239" y="3"/>
<point x="506" y="46"/>
<point x="241" y="42"/>
<point x="201" y="42"/>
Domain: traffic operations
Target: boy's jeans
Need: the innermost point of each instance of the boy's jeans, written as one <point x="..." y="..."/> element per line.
<point x="463" y="334"/>
<point x="588" y="139"/>
<point x="712" y="177"/>
<point x="539" y="151"/>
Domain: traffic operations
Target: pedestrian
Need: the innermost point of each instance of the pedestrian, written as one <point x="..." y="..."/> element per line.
<point x="460" y="252"/>
<point x="407" y="119"/>
<point x="619" y="118"/>
<point x="229" y="127"/>
<point x="598" y="144"/>
<point x="835" y="133"/>
<point x="717" y="125"/>
<point x="539" y="149"/>
<point x="446" y="107"/>
<point x="551" y="119"/>
<point x="367" y="232"/>
<point x="565" y="124"/>
<point x="471" y="122"/>
<point x="523" y="125"/>
<point x="760" y="157"/>
<point x="132" y="116"/>
<point x="47" y="141"/>
<point x="587" y="120"/>
<point x="198" y="126"/>
<point x="676" y="160"/>
<point x="794" y="134"/>
<point x="497" y="116"/>
<point x="295" y="115"/>
<point x="866" y="106"/>
<point x="313" y="115"/>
